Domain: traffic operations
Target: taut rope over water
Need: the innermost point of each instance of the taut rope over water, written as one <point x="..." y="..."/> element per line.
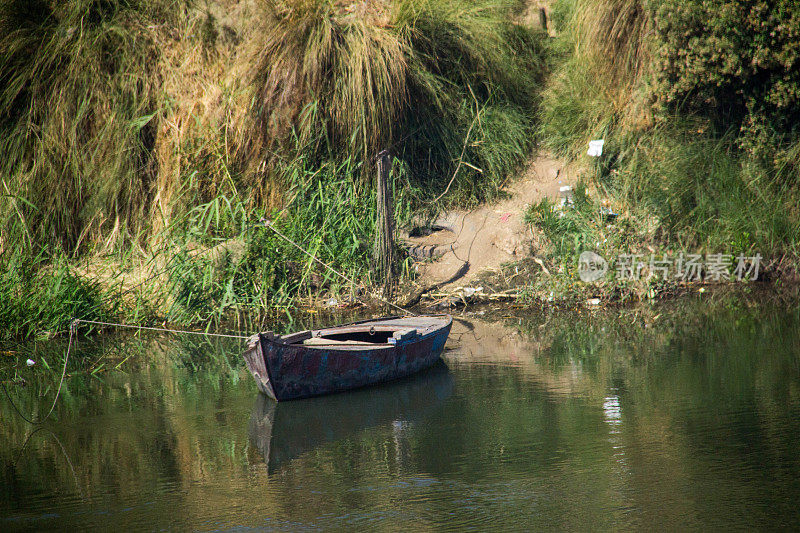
<point x="166" y="330"/>
<point x="267" y="223"/>
<point x="73" y="329"/>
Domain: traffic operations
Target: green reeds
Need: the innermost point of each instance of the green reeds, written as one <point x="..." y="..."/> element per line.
<point x="253" y="272"/>
<point x="706" y="194"/>
<point x="40" y="295"/>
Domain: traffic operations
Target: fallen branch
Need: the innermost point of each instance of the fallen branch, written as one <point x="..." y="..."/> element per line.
<point x="504" y="295"/>
<point x="463" y="150"/>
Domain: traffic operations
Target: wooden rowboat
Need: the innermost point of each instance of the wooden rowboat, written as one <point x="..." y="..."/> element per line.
<point x="316" y="362"/>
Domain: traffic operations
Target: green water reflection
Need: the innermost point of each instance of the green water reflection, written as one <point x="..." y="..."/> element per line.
<point x="680" y="416"/>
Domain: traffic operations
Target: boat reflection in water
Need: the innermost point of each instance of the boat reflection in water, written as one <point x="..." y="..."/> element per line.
<point x="284" y="431"/>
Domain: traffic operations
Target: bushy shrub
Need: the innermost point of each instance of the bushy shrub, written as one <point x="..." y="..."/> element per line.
<point x="736" y="62"/>
<point x="720" y="82"/>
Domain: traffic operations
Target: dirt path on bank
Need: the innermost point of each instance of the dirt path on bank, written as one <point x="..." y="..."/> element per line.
<point x="464" y="244"/>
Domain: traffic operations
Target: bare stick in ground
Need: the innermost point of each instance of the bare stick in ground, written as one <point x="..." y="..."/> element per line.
<point x="384" y="243"/>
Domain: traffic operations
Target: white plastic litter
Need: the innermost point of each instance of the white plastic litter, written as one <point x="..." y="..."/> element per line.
<point x="30" y="362"/>
<point x="469" y="291"/>
<point x="595" y="148"/>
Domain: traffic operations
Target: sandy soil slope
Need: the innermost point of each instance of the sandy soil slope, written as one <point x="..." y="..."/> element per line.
<point x="467" y="243"/>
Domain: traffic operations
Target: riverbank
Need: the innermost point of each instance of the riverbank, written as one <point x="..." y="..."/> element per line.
<point x="216" y="116"/>
<point x="170" y="232"/>
<point x="711" y="175"/>
<point x="697" y="155"/>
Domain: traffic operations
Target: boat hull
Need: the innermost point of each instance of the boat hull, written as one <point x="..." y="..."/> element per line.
<point x="287" y="371"/>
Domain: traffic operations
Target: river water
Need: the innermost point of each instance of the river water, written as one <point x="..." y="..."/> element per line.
<point x="677" y="416"/>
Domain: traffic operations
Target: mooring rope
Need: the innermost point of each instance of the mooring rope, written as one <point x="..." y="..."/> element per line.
<point x="63" y="450"/>
<point x="72" y="330"/>
<point x="76" y="321"/>
<point x="263" y="223"/>
<point x="267" y="223"/>
<point x="166" y="330"/>
<point x="17" y="409"/>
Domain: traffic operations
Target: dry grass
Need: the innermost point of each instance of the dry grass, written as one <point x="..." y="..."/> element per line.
<point x="327" y="65"/>
<point x="611" y="41"/>
<point x="118" y="116"/>
<point x="601" y="83"/>
<point x="341" y="79"/>
<point x="78" y="117"/>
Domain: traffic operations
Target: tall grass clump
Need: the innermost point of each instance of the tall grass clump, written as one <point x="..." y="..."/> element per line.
<point x="706" y="195"/>
<point x="79" y="111"/>
<point x="140" y="135"/>
<point x="599" y="83"/>
<point x="417" y="73"/>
